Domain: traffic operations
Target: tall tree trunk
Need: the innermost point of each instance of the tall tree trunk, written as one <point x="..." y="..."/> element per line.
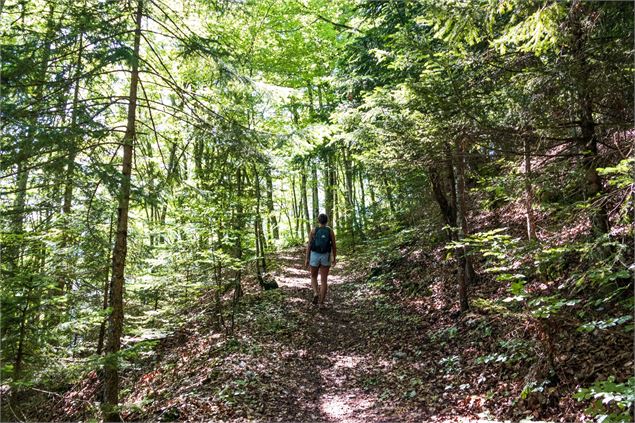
<point x="115" y="330"/>
<point x="373" y="199"/>
<point x="439" y="195"/>
<point x="337" y="209"/>
<point x="320" y="102"/>
<point x="296" y="209"/>
<point x="173" y="167"/>
<point x="465" y="268"/>
<point x="350" y="207"/>
<point x="102" y="326"/>
<point x="328" y="186"/>
<point x="261" y="281"/>
<point x="309" y="90"/>
<point x="272" y="222"/>
<point x="258" y="232"/>
<point x="305" y="202"/>
<point x="362" y="199"/>
<point x="19" y="356"/>
<point x="198" y="149"/>
<point x="238" y="227"/>
<point x="588" y="140"/>
<point x="70" y="170"/>
<point x="314" y="191"/>
<point x="531" y="222"/>
<point x="354" y="203"/>
<point x="449" y="168"/>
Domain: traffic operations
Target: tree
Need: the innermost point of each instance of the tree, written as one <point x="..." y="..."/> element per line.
<point x="115" y="327"/>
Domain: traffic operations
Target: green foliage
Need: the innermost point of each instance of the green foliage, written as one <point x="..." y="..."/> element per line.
<point x="451" y="364"/>
<point x="605" y="324"/>
<point x="444" y="335"/>
<point x="502" y="254"/>
<point x="512" y="351"/>
<point x="547" y="306"/>
<point x="620" y="176"/>
<point x="609" y="401"/>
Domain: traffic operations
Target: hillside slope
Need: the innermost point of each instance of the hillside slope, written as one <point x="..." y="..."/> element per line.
<point x="390" y="346"/>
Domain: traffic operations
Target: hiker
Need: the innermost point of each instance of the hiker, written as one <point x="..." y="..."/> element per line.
<point x="318" y="256"/>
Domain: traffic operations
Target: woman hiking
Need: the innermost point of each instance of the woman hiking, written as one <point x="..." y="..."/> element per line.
<point x="318" y="256"/>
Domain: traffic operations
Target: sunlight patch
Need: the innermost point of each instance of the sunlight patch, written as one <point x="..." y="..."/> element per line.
<point x="345" y="408"/>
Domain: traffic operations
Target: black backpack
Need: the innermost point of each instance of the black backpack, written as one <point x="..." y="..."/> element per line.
<point x="322" y="240"/>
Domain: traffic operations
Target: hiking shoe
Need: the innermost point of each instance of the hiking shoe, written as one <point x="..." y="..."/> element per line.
<point x="315" y="299"/>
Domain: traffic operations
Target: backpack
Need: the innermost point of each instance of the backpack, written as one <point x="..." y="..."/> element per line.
<point x="322" y="240"/>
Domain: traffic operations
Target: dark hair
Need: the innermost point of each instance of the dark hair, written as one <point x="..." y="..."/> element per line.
<point x="322" y="218"/>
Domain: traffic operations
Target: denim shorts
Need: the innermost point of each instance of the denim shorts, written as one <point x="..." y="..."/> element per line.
<point x="320" y="259"/>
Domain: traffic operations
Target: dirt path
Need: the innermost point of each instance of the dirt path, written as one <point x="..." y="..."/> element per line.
<point x="333" y="331"/>
<point x="344" y="352"/>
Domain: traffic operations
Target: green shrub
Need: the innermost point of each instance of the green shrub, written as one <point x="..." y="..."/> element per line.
<point x="610" y="401"/>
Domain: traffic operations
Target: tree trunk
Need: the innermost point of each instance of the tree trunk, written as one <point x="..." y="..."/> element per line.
<point x="17" y="363"/>
<point x="588" y="140"/>
<point x="258" y="233"/>
<point x="439" y="195"/>
<point x="296" y="210"/>
<point x="198" y="148"/>
<point x="373" y="199"/>
<point x="362" y="200"/>
<point x="173" y="167"/>
<point x="320" y="102"/>
<point x="261" y="281"/>
<point x="464" y="266"/>
<point x="309" y="90"/>
<point x="531" y="222"/>
<point x="25" y="150"/>
<point x="462" y="202"/>
<point x="451" y="180"/>
<point x="328" y="186"/>
<point x="337" y="209"/>
<point x="354" y="203"/>
<point x="238" y="226"/>
<point x="391" y="201"/>
<point x="70" y="169"/>
<point x="350" y="208"/>
<point x="272" y="222"/>
<point x="113" y="344"/>
<point x="305" y="205"/>
<point x="314" y="192"/>
<point x="102" y="327"/>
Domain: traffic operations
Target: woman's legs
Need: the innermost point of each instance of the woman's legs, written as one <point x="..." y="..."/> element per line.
<point x="324" y="274"/>
<point x="314" y="275"/>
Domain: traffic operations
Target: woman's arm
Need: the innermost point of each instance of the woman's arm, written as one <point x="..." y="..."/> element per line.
<point x="308" y="247"/>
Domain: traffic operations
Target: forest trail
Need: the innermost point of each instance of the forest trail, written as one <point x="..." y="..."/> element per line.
<point x="344" y="352"/>
<point x="330" y="353"/>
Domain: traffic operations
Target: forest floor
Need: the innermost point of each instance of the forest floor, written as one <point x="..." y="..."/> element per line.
<point x="373" y="354"/>
<point x="295" y="362"/>
<point x="366" y="357"/>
